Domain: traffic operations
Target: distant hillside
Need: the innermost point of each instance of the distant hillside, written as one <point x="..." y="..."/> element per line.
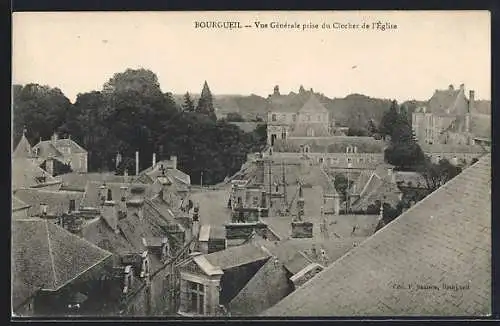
<point x="352" y="111"/>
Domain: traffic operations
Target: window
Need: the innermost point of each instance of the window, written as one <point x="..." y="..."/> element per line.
<point x="294" y="117"/>
<point x="308" y="117"/>
<point x="196" y="296"/>
<point x="273" y="117"/>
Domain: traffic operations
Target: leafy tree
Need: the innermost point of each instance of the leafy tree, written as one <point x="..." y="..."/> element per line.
<point x="205" y="103"/>
<point x="390" y="120"/>
<point x="41" y="109"/>
<point x="353" y="131"/>
<point x="403" y="151"/>
<point x="436" y="175"/>
<point x="188" y="105"/>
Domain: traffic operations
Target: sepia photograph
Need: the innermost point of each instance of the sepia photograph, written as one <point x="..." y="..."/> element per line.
<point x="190" y="165"/>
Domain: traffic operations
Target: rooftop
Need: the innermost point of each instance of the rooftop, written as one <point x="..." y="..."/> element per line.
<point x="26" y="174"/>
<point x="45" y="256"/>
<point x="445" y="239"/>
<point x="237" y="256"/>
<point x="57" y="201"/>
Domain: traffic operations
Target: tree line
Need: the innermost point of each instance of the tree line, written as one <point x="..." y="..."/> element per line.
<point x="130" y="114"/>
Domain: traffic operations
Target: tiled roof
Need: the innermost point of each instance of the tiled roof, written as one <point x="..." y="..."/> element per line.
<point x="443" y="239"/>
<point x="237" y="256"/>
<point x="26" y="174"/>
<point x="45" y="256"/>
<point x="380" y="189"/>
<point x="57" y="200"/>
<point x="23" y="148"/>
<point x="267" y="287"/>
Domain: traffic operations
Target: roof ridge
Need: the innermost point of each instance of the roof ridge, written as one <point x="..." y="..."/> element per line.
<point x="51" y="254"/>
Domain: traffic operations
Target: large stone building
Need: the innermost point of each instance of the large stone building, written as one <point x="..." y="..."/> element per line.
<point x="451" y="118"/>
<point x="296" y="115"/>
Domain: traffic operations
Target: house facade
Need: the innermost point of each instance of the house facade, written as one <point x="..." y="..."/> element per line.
<point x="451" y="118"/>
<point x="296" y="115"/>
<point x="65" y="151"/>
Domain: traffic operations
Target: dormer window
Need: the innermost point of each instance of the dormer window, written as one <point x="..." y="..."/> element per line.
<point x="273" y="117"/>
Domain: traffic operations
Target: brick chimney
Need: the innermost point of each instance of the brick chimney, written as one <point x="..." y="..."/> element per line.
<point x="276" y="90"/>
<point x="173" y="159"/>
<point x="300" y="228"/>
<point x="154" y="160"/>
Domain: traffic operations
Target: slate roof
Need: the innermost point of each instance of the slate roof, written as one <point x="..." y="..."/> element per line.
<point x="23" y="148"/>
<point x="286" y="103"/>
<point x="45" y="256"/>
<point x="333" y="144"/>
<point x="26" y="174"/>
<point x="175" y="174"/>
<point x="377" y="188"/>
<point x="267" y="287"/>
<point x="91" y="196"/>
<point x="237" y="256"/>
<point x="52" y="147"/>
<point x="445" y="238"/>
<point x="47" y="149"/>
<point x="443" y="100"/>
<point x="313" y="105"/>
<point x="57" y="200"/>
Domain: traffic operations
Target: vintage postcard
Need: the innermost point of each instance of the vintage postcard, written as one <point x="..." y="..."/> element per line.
<point x="262" y="164"/>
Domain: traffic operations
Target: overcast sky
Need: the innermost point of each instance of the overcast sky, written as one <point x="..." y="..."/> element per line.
<point x="79" y="52"/>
